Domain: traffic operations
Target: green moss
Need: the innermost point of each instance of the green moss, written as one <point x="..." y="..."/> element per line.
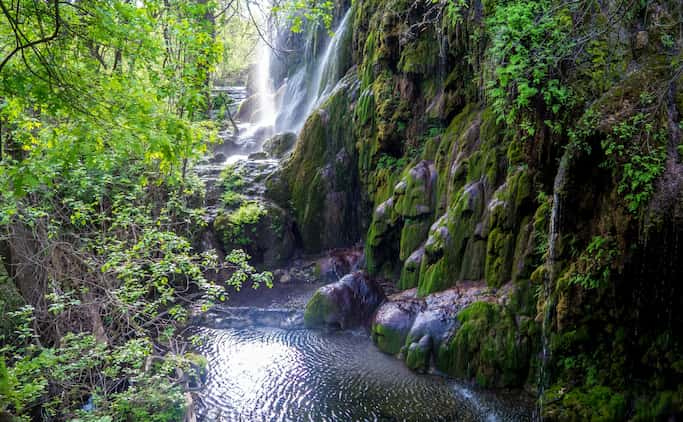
<point x="419" y="56"/>
<point x="433" y="278"/>
<point x="318" y="311"/>
<point x="410" y="275"/>
<point x="662" y="406"/>
<point x="488" y="347"/>
<point x="382" y="241"/>
<point x="524" y="259"/>
<point x="596" y="404"/>
<point x="414" y="196"/>
<point x="417" y="358"/>
<point x="499" y="249"/>
<point x="314" y="171"/>
<point x="413" y="234"/>
<point x="236" y="226"/>
<point x="365" y="108"/>
<point x="387" y="339"/>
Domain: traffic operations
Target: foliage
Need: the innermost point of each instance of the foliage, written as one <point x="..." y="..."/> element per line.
<point x="235" y="224"/>
<point x="453" y="11"/>
<point x="238" y="37"/>
<point x="151" y="394"/>
<point x="387" y="161"/>
<point x="636" y="146"/>
<point x="100" y="123"/>
<point x="529" y="42"/>
<point x="232" y="180"/>
<point x="301" y="13"/>
<point x="595" y="264"/>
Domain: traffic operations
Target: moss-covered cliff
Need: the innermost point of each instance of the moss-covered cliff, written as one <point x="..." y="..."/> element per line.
<point x="534" y="145"/>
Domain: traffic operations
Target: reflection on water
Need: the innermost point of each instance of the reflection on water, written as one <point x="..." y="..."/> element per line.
<point x="268" y="374"/>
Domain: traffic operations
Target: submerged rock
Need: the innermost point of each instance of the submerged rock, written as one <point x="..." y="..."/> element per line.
<point x="345" y="304"/>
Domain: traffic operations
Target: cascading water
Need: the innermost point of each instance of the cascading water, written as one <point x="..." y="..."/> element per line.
<point x="264" y="87"/>
<point x="307" y="88"/>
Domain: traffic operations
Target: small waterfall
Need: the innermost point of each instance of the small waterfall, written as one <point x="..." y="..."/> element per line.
<point x="330" y="71"/>
<point x="264" y="87"/>
<point x="307" y="88"/>
<point x="559" y="187"/>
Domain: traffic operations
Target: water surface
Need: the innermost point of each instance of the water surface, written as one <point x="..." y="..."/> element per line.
<point x="270" y="374"/>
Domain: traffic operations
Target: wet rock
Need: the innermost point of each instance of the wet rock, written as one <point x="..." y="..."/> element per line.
<point x="218" y="157"/>
<point x="277" y="146"/>
<point x="328" y="268"/>
<point x="465" y="331"/>
<point x="489" y="346"/>
<point x="247" y="108"/>
<point x="391" y="324"/>
<point x="414" y="194"/>
<point x="262" y="133"/>
<point x="345" y="304"/>
<point x="434" y="321"/>
<point x="258" y="156"/>
<point x="418" y="354"/>
<point x="318" y="183"/>
<point x="411" y="269"/>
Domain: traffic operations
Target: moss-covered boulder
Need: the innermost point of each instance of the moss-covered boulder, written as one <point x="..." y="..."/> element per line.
<point x="261" y="228"/>
<point x="488" y="347"/>
<point x="414" y="194"/>
<point x="249" y="108"/>
<point x="345" y="304"/>
<point x="418" y="354"/>
<point x="410" y="273"/>
<point x="391" y="325"/>
<point x="278" y="145"/>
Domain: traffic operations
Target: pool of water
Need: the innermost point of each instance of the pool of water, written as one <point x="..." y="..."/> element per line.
<point x="271" y="374"/>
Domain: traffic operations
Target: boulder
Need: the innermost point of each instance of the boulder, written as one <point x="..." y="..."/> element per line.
<point x="264" y="230"/>
<point x="414" y="194"/>
<point x="345" y="304"/>
<point x="278" y="145"/>
<point x="248" y="108"/>
<point x="418" y="354"/>
<point x="392" y="323"/>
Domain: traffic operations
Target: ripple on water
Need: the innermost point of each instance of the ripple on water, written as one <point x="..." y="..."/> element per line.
<point x="267" y="374"/>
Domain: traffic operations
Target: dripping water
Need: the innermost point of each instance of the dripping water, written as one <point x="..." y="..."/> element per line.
<point x="559" y="187"/>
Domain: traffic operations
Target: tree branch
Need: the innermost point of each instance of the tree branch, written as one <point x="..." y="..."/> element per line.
<point x="17" y="33"/>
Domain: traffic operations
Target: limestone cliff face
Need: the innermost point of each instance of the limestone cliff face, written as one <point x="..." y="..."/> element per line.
<point x="531" y="145"/>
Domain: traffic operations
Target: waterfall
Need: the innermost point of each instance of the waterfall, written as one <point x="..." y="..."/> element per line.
<point x="559" y="187"/>
<point x="330" y="71"/>
<point x="264" y="87"/>
<point x="308" y="87"/>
